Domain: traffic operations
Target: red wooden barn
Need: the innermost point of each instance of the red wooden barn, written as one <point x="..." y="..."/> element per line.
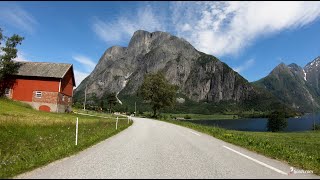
<point x="45" y="86"/>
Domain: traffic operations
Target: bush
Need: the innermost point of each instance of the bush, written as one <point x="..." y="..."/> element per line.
<point x="163" y="117"/>
<point x="277" y="121"/>
<point x="78" y="105"/>
<point x="187" y="117"/>
<point x="316" y="127"/>
<point x="172" y="116"/>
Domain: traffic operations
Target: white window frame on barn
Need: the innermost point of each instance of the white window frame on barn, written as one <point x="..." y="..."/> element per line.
<point x="38" y="94"/>
<point x="7" y="91"/>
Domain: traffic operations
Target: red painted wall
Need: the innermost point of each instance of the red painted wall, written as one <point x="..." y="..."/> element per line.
<point x="23" y="88"/>
<point x="67" y="84"/>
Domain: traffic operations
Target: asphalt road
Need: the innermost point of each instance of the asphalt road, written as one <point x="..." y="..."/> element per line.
<point x="155" y="149"/>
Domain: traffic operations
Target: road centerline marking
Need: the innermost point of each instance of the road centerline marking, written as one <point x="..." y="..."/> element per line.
<point x="259" y="162"/>
<point x="195" y="133"/>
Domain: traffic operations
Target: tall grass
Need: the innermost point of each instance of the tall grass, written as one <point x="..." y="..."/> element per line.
<point x="29" y="138"/>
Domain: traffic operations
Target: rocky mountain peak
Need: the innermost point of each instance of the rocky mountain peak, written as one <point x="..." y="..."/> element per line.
<point x="198" y="75"/>
<point x="279" y="69"/>
<point x="297" y="70"/>
<point x="144" y="40"/>
<point x="281" y="65"/>
<point x="313" y="64"/>
<point x="294" y="66"/>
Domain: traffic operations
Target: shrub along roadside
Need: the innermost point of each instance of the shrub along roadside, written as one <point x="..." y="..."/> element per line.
<point x="277" y="121"/>
<point x="301" y="150"/>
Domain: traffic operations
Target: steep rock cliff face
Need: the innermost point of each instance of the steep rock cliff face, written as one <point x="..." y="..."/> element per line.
<point x="200" y="77"/>
<point x="213" y="80"/>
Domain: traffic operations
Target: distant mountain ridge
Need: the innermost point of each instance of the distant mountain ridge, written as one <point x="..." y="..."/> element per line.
<point x="295" y="86"/>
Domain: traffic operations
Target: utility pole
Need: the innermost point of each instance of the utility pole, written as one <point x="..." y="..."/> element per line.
<point x="135" y="108"/>
<point x="85" y="98"/>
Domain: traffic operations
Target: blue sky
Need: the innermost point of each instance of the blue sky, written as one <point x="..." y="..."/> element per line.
<point x="251" y="37"/>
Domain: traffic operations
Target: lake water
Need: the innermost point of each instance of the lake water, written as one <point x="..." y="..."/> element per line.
<point x="304" y="123"/>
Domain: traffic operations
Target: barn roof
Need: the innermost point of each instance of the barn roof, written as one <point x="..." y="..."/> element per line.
<point x="44" y="69"/>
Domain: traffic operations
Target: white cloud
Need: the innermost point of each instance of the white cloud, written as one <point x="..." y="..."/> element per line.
<point x="222" y="28"/>
<point x="88" y="65"/>
<point x="79" y="76"/>
<point x="124" y="26"/>
<point x="21" y="57"/>
<point x="18" y="17"/>
<point x="186" y="27"/>
<point x="244" y="66"/>
<point x="87" y="62"/>
<point x="218" y="28"/>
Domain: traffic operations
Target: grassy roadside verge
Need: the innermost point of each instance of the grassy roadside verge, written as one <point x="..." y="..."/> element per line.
<point x="94" y="113"/>
<point x="301" y="150"/>
<point x="30" y="139"/>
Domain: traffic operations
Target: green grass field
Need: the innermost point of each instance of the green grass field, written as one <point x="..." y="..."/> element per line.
<point x="30" y="138"/>
<point x="300" y="149"/>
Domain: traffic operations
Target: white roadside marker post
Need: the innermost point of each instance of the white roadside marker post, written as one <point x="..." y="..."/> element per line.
<point x="128" y="119"/>
<point x="117" y="123"/>
<point x="77" y="132"/>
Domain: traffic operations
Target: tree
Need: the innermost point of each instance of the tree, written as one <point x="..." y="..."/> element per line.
<point x="126" y="109"/>
<point x="7" y="66"/>
<point x="112" y="100"/>
<point x="277" y="121"/>
<point x="157" y="91"/>
<point x="101" y="105"/>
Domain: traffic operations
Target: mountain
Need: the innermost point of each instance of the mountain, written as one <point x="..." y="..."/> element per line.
<point x="200" y="77"/>
<point x="295" y="86"/>
<point x="312" y="76"/>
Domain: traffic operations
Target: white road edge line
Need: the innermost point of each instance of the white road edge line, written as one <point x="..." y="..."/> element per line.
<point x="261" y="163"/>
<point x="195" y="133"/>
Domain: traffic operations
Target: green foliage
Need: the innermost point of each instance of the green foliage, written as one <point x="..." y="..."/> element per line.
<point x="7" y="66"/>
<point x="78" y="105"/>
<point x="205" y="58"/>
<point x="163" y="116"/>
<point x="239" y="80"/>
<point x="102" y="104"/>
<point x="254" y="108"/>
<point x="112" y="101"/>
<point x="157" y="91"/>
<point x="173" y="116"/>
<point x="277" y="121"/>
<point x="187" y="116"/>
<point x="128" y="104"/>
<point x="316" y="127"/>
